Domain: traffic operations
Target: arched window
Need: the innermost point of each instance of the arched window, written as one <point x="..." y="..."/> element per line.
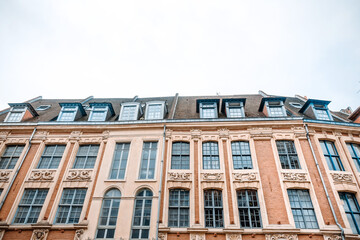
<point x="109" y="213"/>
<point x="142" y="214"/>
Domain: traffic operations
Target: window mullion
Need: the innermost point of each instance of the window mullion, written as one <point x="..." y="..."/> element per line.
<point x="329" y="154"/>
<point x="71" y="205"/>
<point x="120" y="161"/>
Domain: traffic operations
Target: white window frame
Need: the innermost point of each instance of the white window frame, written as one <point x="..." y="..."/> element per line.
<point x="132" y="104"/>
<point x="16" y="110"/>
<point x="202" y="107"/>
<point x="104" y="109"/>
<point x="317" y="107"/>
<point x="228" y="107"/>
<point x="64" y="109"/>
<point x="281" y="104"/>
<point x="162" y="113"/>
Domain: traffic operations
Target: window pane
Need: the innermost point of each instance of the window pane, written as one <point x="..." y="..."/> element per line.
<point x="147" y="167"/>
<point x="241" y="155"/>
<point x="331" y="156"/>
<point x="287" y="154"/>
<point x="213" y="208"/>
<point x="70" y="205"/>
<point x="51" y="156"/>
<point x="178" y="208"/>
<point x="352" y="210"/>
<point x="10" y="156"/>
<point x="154" y="111"/>
<point x="129" y="113"/>
<point x="180" y="158"/>
<point x="86" y="156"/>
<point x="142" y="214"/>
<point x="249" y="209"/>
<point x="210" y="155"/>
<point x="119" y="161"/>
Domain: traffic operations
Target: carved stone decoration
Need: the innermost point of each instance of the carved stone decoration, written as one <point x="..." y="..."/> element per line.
<point x="223" y="133"/>
<point x="40" y="234"/>
<point x="233" y="236"/>
<point x="78" y="234"/>
<point x="245" y="177"/>
<point x="174" y="176"/>
<point x="39" y="175"/>
<point x="332" y="237"/>
<point x="75" y="135"/>
<point x="342" y="177"/>
<point x="105" y="134"/>
<point x="168" y="133"/>
<point x="197" y="236"/>
<point x="261" y="132"/>
<point x="79" y="175"/>
<point x="212" y="176"/>
<point x="295" y="177"/>
<point x="281" y="237"/>
<point x="162" y="236"/>
<point x="4" y="176"/>
<point x="195" y="133"/>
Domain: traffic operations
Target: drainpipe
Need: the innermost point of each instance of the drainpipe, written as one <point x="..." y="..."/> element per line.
<point x="323" y="183"/>
<point x="161" y="175"/>
<point x="18" y="169"/>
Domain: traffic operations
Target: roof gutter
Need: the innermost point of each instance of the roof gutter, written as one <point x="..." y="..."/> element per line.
<point x="323" y="183"/>
<point x="160" y="185"/>
<point x="18" y="169"/>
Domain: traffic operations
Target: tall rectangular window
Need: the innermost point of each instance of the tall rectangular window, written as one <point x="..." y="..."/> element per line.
<point x="179" y="208"/>
<point x="10" y="156"/>
<point x="249" y="209"/>
<point x="51" y="157"/>
<point x="30" y="206"/>
<point x="180" y="157"/>
<point x="70" y="205"/>
<point x="119" y="161"/>
<point x="208" y="110"/>
<point x="354" y="150"/>
<point x="331" y="155"/>
<point x="352" y="210"/>
<point x="210" y="155"/>
<point x="213" y="209"/>
<point x="86" y="156"/>
<point x="287" y="154"/>
<point x="241" y="155"/>
<point x="302" y="209"/>
<point x="148" y="160"/>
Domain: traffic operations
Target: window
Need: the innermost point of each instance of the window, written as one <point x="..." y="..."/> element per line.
<point x="130" y="111"/>
<point x="30" y="206"/>
<point x="287" y="154"/>
<point x="213" y="209"/>
<point x="155" y="110"/>
<point x="179" y="208"/>
<point x="51" y="157"/>
<point x="119" y="161"/>
<point x="331" y="155"/>
<point x="210" y="155"/>
<point x="249" y="209"/>
<point x="16" y="114"/>
<point x="142" y="213"/>
<point x="86" y="156"/>
<point x="148" y="159"/>
<point x="208" y="110"/>
<point x="43" y="107"/>
<point x="234" y="109"/>
<point x="98" y="113"/>
<point x="355" y="154"/>
<point x="1" y="190"/>
<point x="67" y="114"/>
<point x="10" y="156"/>
<point x="302" y="209"/>
<point x="321" y="112"/>
<point x="180" y="157"/>
<point x="70" y="205"/>
<point x="276" y="108"/>
<point x="108" y="215"/>
<point x="241" y="155"/>
<point x="352" y="210"/>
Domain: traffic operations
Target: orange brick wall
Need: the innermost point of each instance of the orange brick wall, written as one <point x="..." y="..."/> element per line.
<point x="17" y="235"/>
<point x="182" y="236"/>
<point x="57" y="235"/>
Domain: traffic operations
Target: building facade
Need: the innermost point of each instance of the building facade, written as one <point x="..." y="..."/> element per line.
<point x="195" y="168"/>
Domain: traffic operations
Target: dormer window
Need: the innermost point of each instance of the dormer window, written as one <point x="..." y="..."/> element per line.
<point x="208" y="108"/>
<point x="130" y="111"/>
<point x="234" y="108"/>
<point x="273" y="106"/>
<point x="321" y="112"/>
<point x="317" y="109"/>
<point x="70" y="112"/>
<point x="155" y="110"/>
<point x="19" y="112"/>
<point x="100" y="112"/>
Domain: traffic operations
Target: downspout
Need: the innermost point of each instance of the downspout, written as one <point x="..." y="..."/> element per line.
<point x="160" y="185"/>
<point x="18" y="169"/>
<point x="323" y="183"/>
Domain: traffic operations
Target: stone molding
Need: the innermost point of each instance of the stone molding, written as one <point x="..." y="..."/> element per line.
<point x="212" y="176"/>
<point x="40" y="234"/>
<point x="79" y="175"/>
<point x="281" y="237"/>
<point x="42" y="175"/>
<point x="332" y="237"/>
<point x="245" y="177"/>
<point x="223" y="132"/>
<point x="197" y="236"/>
<point x="5" y="175"/>
<point x="233" y="236"/>
<point x="78" y="234"/>
<point x="175" y="176"/>
<point x="295" y="177"/>
<point x="342" y="177"/>
<point x="261" y="133"/>
<point x="195" y="134"/>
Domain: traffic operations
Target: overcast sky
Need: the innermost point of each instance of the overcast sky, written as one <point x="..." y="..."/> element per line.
<point x="74" y="49"/>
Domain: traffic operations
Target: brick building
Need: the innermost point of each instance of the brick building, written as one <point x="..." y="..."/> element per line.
<point x="216" y="167"/>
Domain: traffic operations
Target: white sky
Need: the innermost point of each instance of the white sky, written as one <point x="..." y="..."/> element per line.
<point x="78" y="48"/>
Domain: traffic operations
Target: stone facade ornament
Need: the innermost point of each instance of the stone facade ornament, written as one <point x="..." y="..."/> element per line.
<point x="295" y="177"/>
<point x="245" y="177"/>
<point x="233" y="236"/>
<point x="42" y="175"/>
<point x="332" y="237"/>
<point x="342" y="177"/>
<point x="75" y="135"/>
<point x="78" y="234"/>
<point x="195" y="133"/>
<point x="79" y="175"/>
<point x="212" y="176"/>
<point x="40" y="234"/>
<point x="4" y="176"/>
<point x="174" y="176"/>
<point x="197" y="236"/>
<point x="162" y="236"/>
<point x="261" y="133"/>
<point x="223" y="133"/>
<point x="281" y="237"/>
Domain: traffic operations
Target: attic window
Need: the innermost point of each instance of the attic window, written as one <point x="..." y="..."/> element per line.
<point x="98" y="114"/>
<point x="43" y="107"/>
<point x="67" y="113"/>
<point x="130" y="111"/>
<point x="208" y="110"/>
<point x="276" y="109"/>
<point x="234" y="109"/>
<point x="15" y="114"/>
<point x="296" y="105"/>
<point x="155" y="110"/>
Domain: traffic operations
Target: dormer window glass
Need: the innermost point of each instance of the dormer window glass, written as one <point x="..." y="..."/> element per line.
<point x="98" y="114"/>
<point x="67" y="113"/>
<point x="130" y="111"/>
<point x="234" y="109"/>
<point x="208" y="110"/>
<point x="155" y="110"/>
<point x="276" y="109"/>
<point x="15" y="114"/>
<point x="321" y="112"/>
